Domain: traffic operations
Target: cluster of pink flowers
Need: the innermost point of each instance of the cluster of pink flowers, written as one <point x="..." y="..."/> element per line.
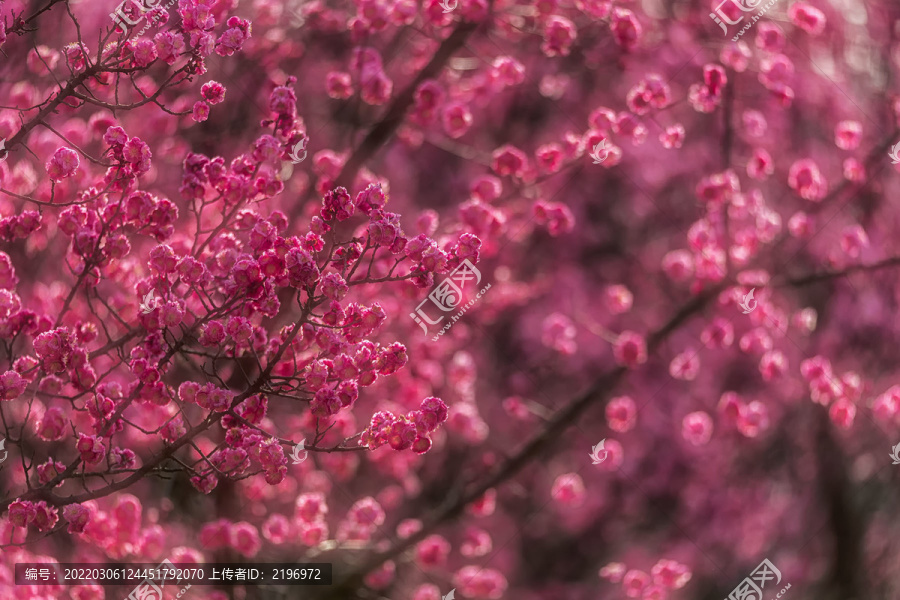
<point x="271" y="456"/>
<point x="63" y="164"/>
<point x="19" y="226"/>
<point x="362" y="521"/>
<point x="132" y="153"/>
<point x="56" y="349"/>
<point x="840" y="393"/>
<point x="474" y="581"/>
<point x="309" y="518"/>
<point x="406" y="432"/>
<point x="665" y="575"/>
<point x="91" y="448"/>
<point x="188" y="299"/>
<point x="242" y="537"/>
<point x="208" y="396"/>
<point x="39" y="514"/>
<point x="630" y="349"/>
<point x="374" y="84"/>
<point x="12" y="385"/>
<point x="706" y="97"/>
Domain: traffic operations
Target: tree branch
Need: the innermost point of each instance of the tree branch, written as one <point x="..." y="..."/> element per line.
<point x="385" y="128"/>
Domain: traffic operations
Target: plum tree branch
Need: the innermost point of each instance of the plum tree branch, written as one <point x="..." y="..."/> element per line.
<point x="557" y="425"/>
<point x="386" y="127"/>
<point x="825" y="275"/>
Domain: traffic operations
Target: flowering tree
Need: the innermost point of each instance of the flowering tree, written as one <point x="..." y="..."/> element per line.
<point x="653" y="265"/>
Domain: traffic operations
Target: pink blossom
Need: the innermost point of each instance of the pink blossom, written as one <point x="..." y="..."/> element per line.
<point x="45" y="516"/>
<point x="77" y="516"/>
<point x="685" y="365"/>
<point x="854" y="240"/>
<point x="200" y="112"/>
<point x="621" y="414"/>
<point x="559" y="34"/>
<point x="21" y="513"/>
<point x="842" y="413"/>
<point x="476" y="542"/>
<point x="213" y="92"/>
<point x="630" y="349"/>
<point x="144" y="52"/>
<point x="626" y="28"/>
<point x="618" y="299"/>
<point x="63" y="164"/>
<point x="432" y="552"/>
<point x="672" y="137"/>
<point x="697" y="428"/>
<point x="12" y="385"/>
<point x="613" y="572"/>
<point x="635" y="582"/>
<point x="91" y="448"/>
<point x="670" y="574"/>
<point x="807" y="18"/>
<point x="559" y="333"/>
<point x="509" y="160"/>
<point x="568" y="490"/>
<point x="478" y="582"/>
<point x="772" y="364"/>
<point x="769" y="37"/>
<point x="753" y="419"/>
<point x="244" y="538"/>
<point x="806" y="179"/>
<point x="339" y="85"/>
<point x="456" y="119"/>
<point x="848" y="135"/>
